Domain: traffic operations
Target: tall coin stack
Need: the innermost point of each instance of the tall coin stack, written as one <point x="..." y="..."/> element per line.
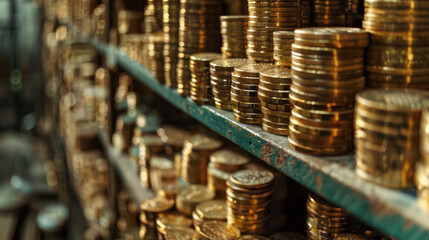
<point x="171" y="11"/>
<point x="422" y="168"/>
<point x="156" y="58"/>
<point x="249" y="200"/>
<point x="199" y="31"/>
<point x="289" y="15"/>
<point x="387" y="124"/>
<point x="273" y="92"/>
<point x="192" y="195"/>
<point x="330" y="13"/>
<point x="327" y="71"/>
<point x="200" y="77"/>
<point x="282" y="41"/>
<point x="246" y="106"/>
<point x="151" y="208"/>
<point x="210" y="210"/>
<point x="326" y="221"/>
<point x="220" y="79"/>
<point x="234" y="31"/>
<point x="397" y="55"/>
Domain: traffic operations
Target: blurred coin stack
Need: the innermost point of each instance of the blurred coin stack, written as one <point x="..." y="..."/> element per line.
<point x="329" y="13"/>
<point x="199" y="31"/>
<point x="192" y="195"/>
<point x="234" y="31"/>
<point x="387" y="124"/>
<point x="168" y="221"/>
<point x="125" y="124"/>
<point x="220" y="79"/>
<point x="249" y="200"/>
<point x="246" y="106"/>
<point x="150" y="22"/>
<point x="155" y="53"/>
<point x="129" y="22"/>
<point x="151" y="208"/>
<point x="210" y="210"/>
<point x="422" y="167"/>
<point x="290" y="14"/>
<point x="161" y="172"/>
<point x="181" y="233"/>
<point x="214" y="230"/>
<point x="326" y="221"/>
<point x="283" y="47"/>
<point x="222" y="164"/>
<point x="200" y="77"/>
<point x="148" y="146"/>
<point x="327" y="71"/>
<point x="398" y="54"/>
<point x="158" y="11"/>
<point x="273" y="93"/>
<point x="171" y="11"/>
<point x="195" y="158"/>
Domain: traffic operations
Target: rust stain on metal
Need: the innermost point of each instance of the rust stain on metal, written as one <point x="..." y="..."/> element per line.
<point x="379" y="209"/>
<point x="266" y="152"/>
<point x="238" y="128"/>
<point x="407" y="225"/>
<point x="280" y="159"/>
<point x="229" y="133"/>
<point x="319" y="182"/>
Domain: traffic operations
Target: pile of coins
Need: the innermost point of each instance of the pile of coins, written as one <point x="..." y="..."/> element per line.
<point x="199" y="31"/>
<point x="422" y="173"/>
<point x="283" y="47"/>
<point x="214" y="230"/>
<point x="168" y="221"/>
<point x="151" y="208"/>
<point x="171" y="11"/>
<point x="397" y="55"/>
<point x="234" y="31"/>
<point x="195" y="157"/>
<point x="273" y="92"/>
<point x="326" y="221"/>
<point x="387" y="124"/>
<point x="249" y="200"/>
<point x="210" y="210"/>
<point x="220" y="79"/>
<point x="181" y="233"/>
<point x="246" y="106"/>
<point x="327" y="71"/>
<point x="201" y="92"/>
<point x="329" y="13"/>
<point x="189" y="197"/>
<point x="155" y="55"/>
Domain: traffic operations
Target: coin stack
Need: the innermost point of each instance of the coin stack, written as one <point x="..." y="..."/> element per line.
<point x="181" y="233"/>
<point x="168" y="221"/>
<point x="214" y="230"/>
<point x="189" y="197"/>
<point x="158" y="11"/>
<point x="161" y="172"/>
<point x="327" y="71"/>
<point x="273" y="92"/>
<point x="397" y="55"/>
<point x="283" y="47"/>
<point x="195" y="157"/>
<point x="234" y="31"/>
<point x="200" y="77"/>
<point x="220" y="79"/>
<point x="171" y="11"/>
<point x="199" y="31"/>
<point x="222" y="164"/>
<point x="249" y="200"/>
<point x="156" y="58"/>
<point x="210" y="210"/>
<point x="329" y="13"/>
<point x="289" y="15"/>
<point x="170" y="190"/>
<point x="246" y="106"/>
<point x="327" y="221"/>
<point x="150" y="21"/>
<point x="387" y="124"/>
<point x="422" y="172"/>
<point x="148" y="146"/>
<point x="151" y="208"/>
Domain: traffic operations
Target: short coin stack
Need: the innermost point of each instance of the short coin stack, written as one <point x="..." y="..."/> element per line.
<point x="326" y="221"/>
<point x="283" y="48"/>
<point x="201" y="92"/>
<point x="214" y="230"/>
<point x="181" y="233"/>
<point x="167" y="221"/>
<point x="148" y="146"/>
<point x="397" y="55"/>
<point x="327" y="71"/>
<point x="155" y="55"/>
<point x="273" y="92"/>
<point x="422" y="168"/>
<point x="246" y="106"/>
<point x="151" y="208"/>
<point x="234" y="31"/>
<point x="189" y="197"/>
<point x="220" y="79"/>
<point x="387" y="124"/>
<point x="171" y="10"/>
<point x="329" y="13"/>
<point x="249" y="200"/>
<point x="210" y="210"/>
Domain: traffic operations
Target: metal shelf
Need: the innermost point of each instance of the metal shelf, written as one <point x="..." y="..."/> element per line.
<point x="393" y="212"/>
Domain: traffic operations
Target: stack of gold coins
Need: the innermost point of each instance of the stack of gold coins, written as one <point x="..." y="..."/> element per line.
<point x="150" y="22"/>
<point x="200" y="77"/>
<point x="329" y="13"/>
<point x="129" y="22"/>
<point x="199" y="31"/>
<point x="158" y="11"/>
<point x="396" y="57"/>
<point x="326" y="221"/>
<point x="422" y="168"/>
<point x="273" y="92"/>
<point x="249" y="200"/>
<point x="327" y="71"/>
<point x="151" y="208"/>
<point x="287" y="236"/>
<point x="210" y="210"/>
<point x="289" y="15"/>
<point x="181" y="233"/>
<point x="161" y="171"/>
<point x="189" y="197"/>
<point x="283" y="47"/>
<point x="168" y="221"/>
<point x="234" y="31"/>
<point x="222" y="164"/>
<point x="387" y="124"/>
<point x="215" y="230"/>
<point x="195" y="157"/>
<point x="156" y="58"/>
<point x="246" y="106"/>
<point x="171" y="10"/>
<point x="148" y="146"/>
<point x="220" y="79"/>
<point x="170" y="190"/>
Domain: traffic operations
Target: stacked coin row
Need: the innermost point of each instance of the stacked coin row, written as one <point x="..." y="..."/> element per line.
<point x="155" y="55"/>
<point x="208" y="211"/>
<point x="329" y="13"/>
<point x="177" y="233"/>
<point x="148" y="146"/>
<point x="283" y="47"/>
<point x="327" y="71"/>
<point x="161" y="172"/>
<point x="246" y="106"/>
<point x="151" y="208"/>
<point x="234" y="31"/>
<point x="387" y="124"/>
<point x="158" y="11"/>
<point x="273" y="92"/>
<point x="201" y="92"/>
<point x="290" y="14"/>
<point x="189" y="197"/>
<point x="199" y="31"/>
<point x="249" y="200"/>
<point x="397" y="55"/>
<point x="213" y="230"/>
<point x="150" y="23"/>
<point x="220" y="80"/>
<point x="171" y="11"/>
<point x="169" y="221"/>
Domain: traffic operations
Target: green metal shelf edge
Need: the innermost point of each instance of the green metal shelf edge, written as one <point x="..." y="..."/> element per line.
<point x="393" y="212"/>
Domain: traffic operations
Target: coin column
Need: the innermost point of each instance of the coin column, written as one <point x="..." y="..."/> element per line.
<point x="289" y="15"/>
<point x="214" y="230"/>
<point x="387" y="124"/>
<point x="282" y="41"/>
<point x="148" y="146"/>
<point x="200" y="77"/>
<point x="168" y="221"/>
<point x="234" y="31"/>
<point x="189" y="197"/>
<point x="199" y="31"/>
<point x="150" y="210"/>
<point x="210" y="210"/>
<point x="330" y="13"/>
<point x="422" y="168"/>
<point x="171" y="11"/>
<point x="398" y="53"/>
<point x="220" y="80"/>
<point x="327" y="71"/>
<point x="155" y="53"/>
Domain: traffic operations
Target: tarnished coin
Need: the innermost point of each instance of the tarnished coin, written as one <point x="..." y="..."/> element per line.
<point x="227" y="159"/>
<point x="218" y="230"/>
<point x="252" y="178"/>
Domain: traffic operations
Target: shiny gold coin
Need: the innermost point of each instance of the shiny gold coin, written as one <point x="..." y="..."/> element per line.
<point x="212" y="210"/>
<point x="214" y="230"/>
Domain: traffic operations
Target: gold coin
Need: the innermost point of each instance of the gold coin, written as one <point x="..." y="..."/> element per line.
<point x="212" y="210"/>
<point x="214" y="230"/>
<point x="157" y="204"/>
<point x="180" y="233"/>
<point x="247" y="120"/>
<point x="252" y="178"/>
